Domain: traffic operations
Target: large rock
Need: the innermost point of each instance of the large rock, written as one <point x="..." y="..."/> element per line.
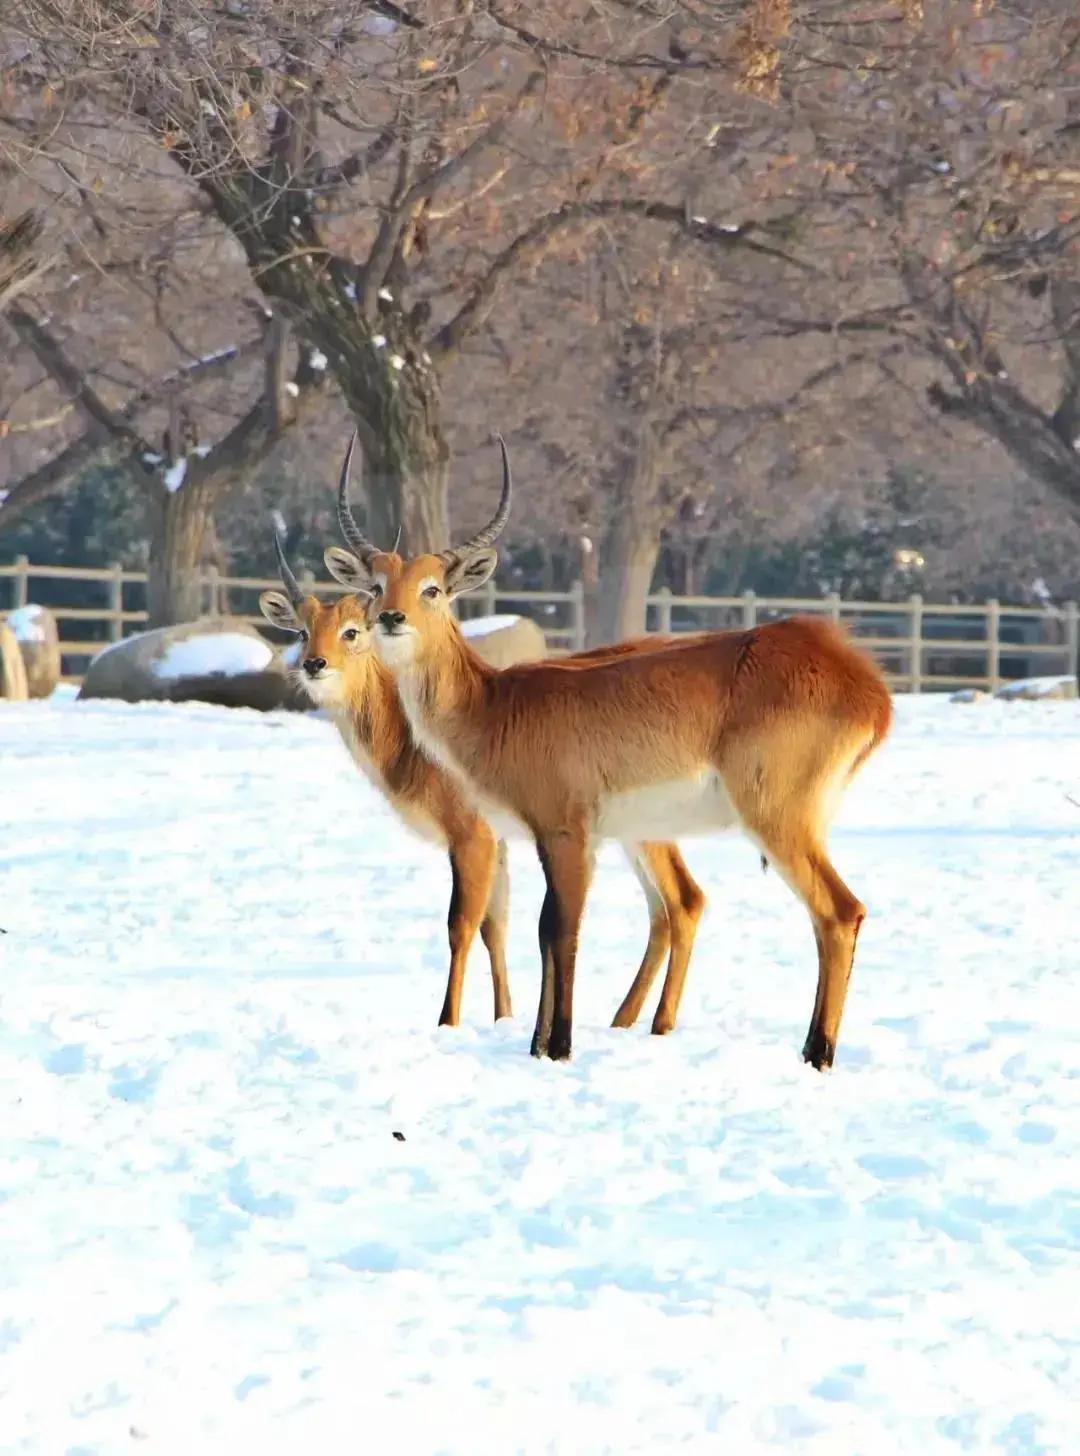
<point x="39" y="642"/>
<point x="13" y="687"/>
<point x="502" y="641"/>
<point x="1037" y="689"/>
<point x="969" y="695"/>
<point x="218" y="660"/>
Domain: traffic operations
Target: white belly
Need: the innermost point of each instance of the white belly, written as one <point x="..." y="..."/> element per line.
<point x="691" y="806"/>
<point x="674" y="810"/>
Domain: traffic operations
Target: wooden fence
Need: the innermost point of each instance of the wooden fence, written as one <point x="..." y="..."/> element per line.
<point x="922" y="646"/>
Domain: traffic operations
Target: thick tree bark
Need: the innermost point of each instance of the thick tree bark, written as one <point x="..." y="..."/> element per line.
<point x="179" y="526"/>
<point x="628" y="562"/>
<point x="406" y="459"/>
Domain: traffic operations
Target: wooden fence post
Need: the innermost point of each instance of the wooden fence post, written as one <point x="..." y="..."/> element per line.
<point x="489" y="596"/>
<point x="835" y="604"/>
<point x="116" y="602"/>
<point x="915" y="643"/>
<point x="663" y="610"/>
<point x="212" y="585"/>
<point x="993" y="643"/>
<point x="749" y="609"/>
<point x="1072" y="639"/>
<point x="21" y="582"/>
<point x="577" y="614"/>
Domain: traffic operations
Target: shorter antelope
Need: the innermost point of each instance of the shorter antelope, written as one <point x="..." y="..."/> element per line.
<point x="341" y="673"/>
<point x="760" y="729"/>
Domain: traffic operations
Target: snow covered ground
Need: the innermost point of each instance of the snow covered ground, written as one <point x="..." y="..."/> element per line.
<point x="218" y="992"/>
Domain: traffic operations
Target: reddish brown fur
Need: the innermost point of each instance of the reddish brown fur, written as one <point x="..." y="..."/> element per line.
<point x="781" y="716"/>
<point x="365" y="704"/>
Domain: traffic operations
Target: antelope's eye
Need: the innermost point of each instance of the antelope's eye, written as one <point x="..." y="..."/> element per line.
<point x="431" y="592"/>
<point x="350" y="634"/>
<point x="303" y="634"/>
<point x="375" y="589"/>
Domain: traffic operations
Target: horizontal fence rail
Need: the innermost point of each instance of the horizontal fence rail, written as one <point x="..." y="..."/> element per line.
<point x="921" y="646"/>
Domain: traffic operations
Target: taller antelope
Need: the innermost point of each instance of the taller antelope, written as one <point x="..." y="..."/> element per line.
<point x="760" y="729"/>
<point x="341" y="673"/>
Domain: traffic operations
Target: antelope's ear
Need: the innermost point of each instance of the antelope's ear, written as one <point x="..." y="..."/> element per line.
<point x="278" y="610"/>
<point x="343" y="566"/>
<point x="469" y="572"/>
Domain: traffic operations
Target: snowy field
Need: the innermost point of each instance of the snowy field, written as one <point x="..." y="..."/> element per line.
<point x="218" y="992"/>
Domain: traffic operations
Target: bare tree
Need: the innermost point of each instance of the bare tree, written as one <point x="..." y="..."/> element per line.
<point x="387" y="173"/>
<point x="183" y="479"/>
<point x="942" y="190"/>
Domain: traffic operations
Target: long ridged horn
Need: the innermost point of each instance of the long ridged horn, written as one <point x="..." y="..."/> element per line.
<point x="288" y="581"/>
<point x="495" y="526"/>
<point x="360" y="544"/>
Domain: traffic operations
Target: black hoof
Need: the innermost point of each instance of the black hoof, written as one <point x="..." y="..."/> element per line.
<point x="539" y="1047"/>
<point x="819" y="1051"/>
<point x="559" y="1050"/>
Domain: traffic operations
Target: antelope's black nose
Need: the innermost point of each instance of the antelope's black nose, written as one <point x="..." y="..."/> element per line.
<point x="388" y="621"/>
<point x="314" y="665"/>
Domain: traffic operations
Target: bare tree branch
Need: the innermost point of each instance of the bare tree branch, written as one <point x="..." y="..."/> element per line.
<point x="71" y="379"/>
<point x="357" y="164"/>
<point x="382" y="252"/>
<point x="527" y="247"/>
<point x="93" y="448"/>
<point x="20" y="263"/>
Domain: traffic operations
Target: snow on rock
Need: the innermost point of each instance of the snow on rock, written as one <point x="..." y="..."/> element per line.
<point x="223" y="965"/>
<point x="174" y="477"/>
<point x="35" y="630"/>
<point x="481" y="626"/>
<point x="969" y="695"/>
<point x="1028" y="688"/>
<point x="29" y="623"/>
<point x="228" y="653"/>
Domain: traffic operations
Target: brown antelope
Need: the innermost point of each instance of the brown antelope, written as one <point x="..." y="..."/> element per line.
<point x="760" y="729"/>
<point x="341" y="673"/>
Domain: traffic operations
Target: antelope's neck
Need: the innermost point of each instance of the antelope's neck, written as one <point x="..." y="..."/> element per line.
<point x="443" y="697"/>
<point x="372" y="717"/>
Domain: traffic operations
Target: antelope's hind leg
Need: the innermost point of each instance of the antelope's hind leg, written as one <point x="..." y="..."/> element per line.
<point x="685" y="906"/>
<point x="659" y="937"/>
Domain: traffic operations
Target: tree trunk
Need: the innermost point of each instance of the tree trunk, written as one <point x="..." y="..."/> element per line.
<point x="179" y="524"/>
<point x="406" y="463"/>
<point x="381" y="364"/>
<point x="626" y="573"/>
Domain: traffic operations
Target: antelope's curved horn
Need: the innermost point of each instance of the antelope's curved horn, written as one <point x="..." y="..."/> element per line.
<point x="498" y="521"/>
<point x="288" y="581"/>
<point x="360" y="544"/>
